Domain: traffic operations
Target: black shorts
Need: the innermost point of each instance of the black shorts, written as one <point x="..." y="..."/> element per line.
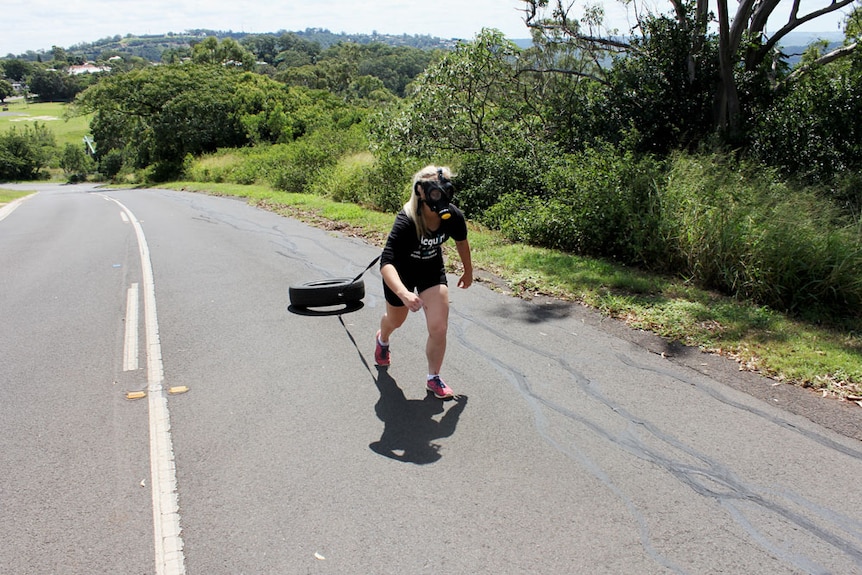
<point x="418" y="282"/>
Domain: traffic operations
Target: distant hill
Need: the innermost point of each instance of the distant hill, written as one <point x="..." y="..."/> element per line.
<point x="807" y="38"/>
<point x="151" y="47"/>
<point x="792" y="45"/>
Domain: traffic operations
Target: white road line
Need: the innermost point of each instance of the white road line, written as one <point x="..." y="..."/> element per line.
<point x="166" y="517"/>
<point x="130" y="347"/>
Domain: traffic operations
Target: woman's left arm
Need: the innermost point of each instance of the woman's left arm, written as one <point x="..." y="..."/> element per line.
<point x="463" y="248"/>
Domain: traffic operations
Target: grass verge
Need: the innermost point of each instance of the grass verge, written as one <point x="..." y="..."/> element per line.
<point x="825" y="358"/>
<point x="7" y="196"/>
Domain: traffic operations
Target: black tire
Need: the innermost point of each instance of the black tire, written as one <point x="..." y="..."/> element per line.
<point x="322" y="293"/>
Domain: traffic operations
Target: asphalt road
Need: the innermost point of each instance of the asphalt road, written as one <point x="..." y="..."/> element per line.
<point x="578" y="446"/>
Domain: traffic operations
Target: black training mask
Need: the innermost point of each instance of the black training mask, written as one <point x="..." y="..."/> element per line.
<point x="438" y="194"/>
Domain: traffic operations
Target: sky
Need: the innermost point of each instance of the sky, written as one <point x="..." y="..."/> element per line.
<point x="40" y="24"/>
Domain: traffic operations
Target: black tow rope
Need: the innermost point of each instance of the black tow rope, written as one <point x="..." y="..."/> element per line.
<point x="368" y="267"/>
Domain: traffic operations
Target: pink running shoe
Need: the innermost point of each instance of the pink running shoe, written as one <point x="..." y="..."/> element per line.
<point x="439" y="388"/>
<point x="381" y="352"/>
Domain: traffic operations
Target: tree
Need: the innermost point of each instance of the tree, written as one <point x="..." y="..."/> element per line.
<point x="59" y="57"/>
<point x="396" y="67"/>
<point x="6" y="90"/>
<point x="176" y="55"/>
<point x="813" y="129"/>
<point x="369" y="88"/>
<point x="17" y="69"/>
<point x="293" y="50"/>
<point x="469" y="101"/>
<point x="55" y="86"/>
<point x="744" y="47"/>
<point x="340" y="67"/>
<point x="23" y="153"/>
<point x="160" y="115"/>
<point x="75" y="162"/>
<point x="48" y="84"/>
<point x="652" y="99"/>
<point x="228" y="52"/>
<point x="263" y="46"/>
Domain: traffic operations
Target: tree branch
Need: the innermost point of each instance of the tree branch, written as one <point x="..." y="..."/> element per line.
<point x="562" y="25"/>
<point x="761" y="15"/>
<point x="794" y="22"/>
<point x="739" y="23"/>
<point x="679" y="8"/>
<point x="822" y="61"/>
<point x="587" y="75"/>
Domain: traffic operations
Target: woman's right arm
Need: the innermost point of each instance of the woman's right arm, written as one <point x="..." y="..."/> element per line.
<point x="393" y="280"/>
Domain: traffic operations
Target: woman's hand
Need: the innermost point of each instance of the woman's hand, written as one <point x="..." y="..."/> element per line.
<point x="412" y="301"/>
<point x="467" y="260"/>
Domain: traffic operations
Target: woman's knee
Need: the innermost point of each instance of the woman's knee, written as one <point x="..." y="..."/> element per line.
<point x="437" y="329"/>
<point x="436" y="310"/>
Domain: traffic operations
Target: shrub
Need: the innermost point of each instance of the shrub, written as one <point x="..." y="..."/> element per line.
<point x="111" y="163"/>
<point x="298" y="166"/>
<point x="741" y="230"/>
<point x="813" y="131"/>
<point x="234" y="165"/>
<point x="389" y="181"/>
<point x="164" y="171"/>
<point x="801" y="260"/>
<point x="24" y="153"/>
<point x="599" y="202"/>
<point x="347" y="180"/>
<point x="299" y="163"/>
<point x="75" y="162"/>
<point x="379" y="183"/>
<point x="534" y="220"/>
<point x="485" y="178"/>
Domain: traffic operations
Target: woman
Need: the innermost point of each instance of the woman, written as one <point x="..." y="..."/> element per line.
<point x="412" y="268"/>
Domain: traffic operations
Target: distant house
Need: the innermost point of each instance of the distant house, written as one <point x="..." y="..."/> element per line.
<point x="88" y="68"/>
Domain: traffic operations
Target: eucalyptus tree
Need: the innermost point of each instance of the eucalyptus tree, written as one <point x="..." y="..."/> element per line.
<point x="814" y="130"/>
<point x="471" y="100"/>
<point x="747" y="39"/>
<point x="480" y="108"/>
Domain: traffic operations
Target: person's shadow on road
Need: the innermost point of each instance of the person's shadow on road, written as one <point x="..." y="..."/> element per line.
<point x="409" y="425"/>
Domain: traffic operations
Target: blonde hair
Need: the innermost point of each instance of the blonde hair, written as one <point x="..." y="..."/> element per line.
<point x="413" y="207"/>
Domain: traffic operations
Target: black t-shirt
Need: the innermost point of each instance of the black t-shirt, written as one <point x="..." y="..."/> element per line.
<point x="409" y="255"/>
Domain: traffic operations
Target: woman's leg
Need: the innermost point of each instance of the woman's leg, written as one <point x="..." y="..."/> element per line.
<point x="436" y="299"/>
<point x="392" y="320"/>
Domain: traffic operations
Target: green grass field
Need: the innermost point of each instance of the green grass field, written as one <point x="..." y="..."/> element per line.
<point x="50" y="114"/>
